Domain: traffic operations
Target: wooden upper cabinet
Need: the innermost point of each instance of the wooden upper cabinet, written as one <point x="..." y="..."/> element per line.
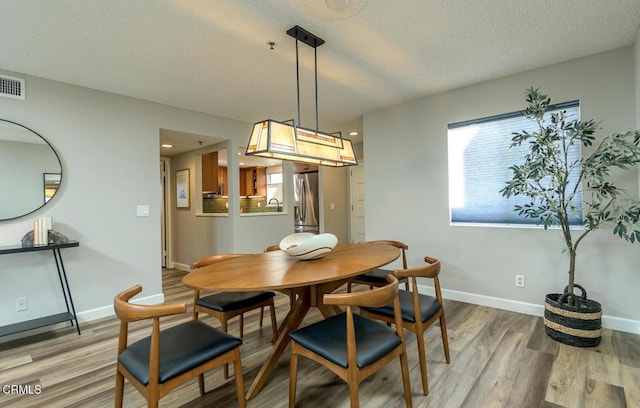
<point x="260" y="185"/>
<point x="253" y="181"/>
<point x="210" y="172"/>
<point x="222" y="180"/>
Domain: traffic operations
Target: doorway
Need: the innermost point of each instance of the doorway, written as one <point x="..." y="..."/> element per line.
<point x="356" y="184"/>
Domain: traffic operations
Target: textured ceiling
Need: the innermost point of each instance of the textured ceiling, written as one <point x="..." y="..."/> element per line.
<point x="212" y="56"/>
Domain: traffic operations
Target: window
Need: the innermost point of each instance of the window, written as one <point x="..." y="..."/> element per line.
<point x="274" y="185"/>
<point x="479" y="160"/>
<point x="274" y="178"/>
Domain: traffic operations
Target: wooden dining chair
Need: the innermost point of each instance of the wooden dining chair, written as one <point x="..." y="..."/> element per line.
<point x="377" y="277"/>
<point x="419" y="311"/>
<point x="352" y="346"/>
<point x="157" y="364"/>
<point x="227" y="305"/>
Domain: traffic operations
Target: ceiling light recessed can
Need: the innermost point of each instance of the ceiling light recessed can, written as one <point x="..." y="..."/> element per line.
<point x="354" y="133"/>
<point x="166" y="145"/>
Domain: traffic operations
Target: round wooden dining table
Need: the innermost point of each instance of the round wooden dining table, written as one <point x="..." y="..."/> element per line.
<point x="305" y="282"/>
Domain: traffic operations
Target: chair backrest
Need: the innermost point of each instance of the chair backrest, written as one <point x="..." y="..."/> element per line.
<point x="128" y="312"/>
<point x="430" y="270"/>
<point x="211" y="259"/>
<point x="376" y="297"/>
<point x="275" y="247"/>
<point x="403" y="247"/>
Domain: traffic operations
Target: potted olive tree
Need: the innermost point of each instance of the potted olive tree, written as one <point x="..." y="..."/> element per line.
<point x="553" y="183"/>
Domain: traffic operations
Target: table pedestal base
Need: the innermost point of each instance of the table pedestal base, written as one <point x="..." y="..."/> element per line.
<point x="305" y="298"/>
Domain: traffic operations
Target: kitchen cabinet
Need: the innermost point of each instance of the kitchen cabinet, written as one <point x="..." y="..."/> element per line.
<point x="222" y="180"/>
<point x="253" y="181"/>
<point x="210" y="172"/>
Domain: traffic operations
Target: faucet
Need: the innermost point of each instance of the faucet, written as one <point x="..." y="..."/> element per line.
<point x="278" y="209"/>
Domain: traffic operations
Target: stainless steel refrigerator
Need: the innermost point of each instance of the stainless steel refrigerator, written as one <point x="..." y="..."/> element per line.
<point x="306" y="204"/>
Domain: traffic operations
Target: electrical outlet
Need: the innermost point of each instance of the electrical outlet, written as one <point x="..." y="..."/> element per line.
<point x="520" y="281"/>
<point x="21" y="304"/>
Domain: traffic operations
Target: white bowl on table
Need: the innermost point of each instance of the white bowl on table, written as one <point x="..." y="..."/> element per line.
<point x="306" y="246"/>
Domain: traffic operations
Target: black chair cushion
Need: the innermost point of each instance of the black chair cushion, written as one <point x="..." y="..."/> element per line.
<point x="428" y="307"/>
<point x="182" y="348"/>
<point x="328" y="338"/>
<point x="376" y="276"/>
<point x="227" y="301"/>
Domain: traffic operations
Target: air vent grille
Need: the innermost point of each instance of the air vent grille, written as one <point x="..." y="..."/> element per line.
<point x="11" y="87"/>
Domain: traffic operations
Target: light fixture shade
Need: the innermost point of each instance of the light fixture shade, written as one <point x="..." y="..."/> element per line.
<point x="280" y="140"/>
<point x="285" y="141"/>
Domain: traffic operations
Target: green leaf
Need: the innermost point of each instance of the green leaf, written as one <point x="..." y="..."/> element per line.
<point x="544" y="174"/>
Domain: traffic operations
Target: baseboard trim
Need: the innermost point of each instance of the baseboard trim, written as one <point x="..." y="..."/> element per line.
<point x="181" y="267"/>
<point x="608" y="322"/>
<point x="84" y="316"/>
<point x="106" y="311"/>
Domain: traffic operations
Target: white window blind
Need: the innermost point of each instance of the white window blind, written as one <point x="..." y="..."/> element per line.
<point x="479" y="161"/>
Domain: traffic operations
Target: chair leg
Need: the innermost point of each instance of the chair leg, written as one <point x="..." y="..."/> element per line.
<point x="445" y="338"/>
<point x="404" y="366"/>
<point x="274" y="324"/>
<point x="225" y="369"/>
<point x="152" y="398"/>
<point x="241" y="325"/>
<point x="201" y="384"/>
<point x="293" y="377"/>
<point x="349" y="287"/>
<point x="423" y="361"/>
<point x="354" y="397"/>
<point x="237" y="368"/>
<point x="261" y="315"/>
<point x="196" y="296"/>
<point x="119" y="389"/>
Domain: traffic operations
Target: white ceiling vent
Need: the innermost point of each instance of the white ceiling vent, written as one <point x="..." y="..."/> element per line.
<point x="11" y="87"/>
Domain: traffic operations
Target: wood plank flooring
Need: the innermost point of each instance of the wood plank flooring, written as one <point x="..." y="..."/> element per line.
<point x="498" y="359"/>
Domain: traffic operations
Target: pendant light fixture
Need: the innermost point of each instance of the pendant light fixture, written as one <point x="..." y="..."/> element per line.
<point x="287" y="141"/>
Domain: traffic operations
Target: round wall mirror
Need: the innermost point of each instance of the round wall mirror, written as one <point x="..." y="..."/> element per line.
<point x="30" y="171"/>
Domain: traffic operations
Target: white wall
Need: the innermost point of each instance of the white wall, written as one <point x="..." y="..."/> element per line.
<point x="109" y="148"/>
<point x="334" y="199"/>
<point x="637" y="83"/>
<point x="408" y="200"/>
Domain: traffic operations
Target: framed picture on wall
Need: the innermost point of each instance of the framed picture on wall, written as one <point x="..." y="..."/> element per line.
<point x="182" y="188"/>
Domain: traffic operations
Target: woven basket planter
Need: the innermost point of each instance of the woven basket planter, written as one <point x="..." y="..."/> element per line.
<point x="578" y="325"/>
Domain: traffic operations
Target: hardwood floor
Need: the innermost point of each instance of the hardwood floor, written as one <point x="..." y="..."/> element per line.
<point x="498" y="359"/>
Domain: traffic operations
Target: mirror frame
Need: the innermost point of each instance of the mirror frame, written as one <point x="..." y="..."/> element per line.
<point x="55" y="153"/>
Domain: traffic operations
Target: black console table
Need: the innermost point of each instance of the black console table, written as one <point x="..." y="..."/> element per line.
<point x="70" y="314"/>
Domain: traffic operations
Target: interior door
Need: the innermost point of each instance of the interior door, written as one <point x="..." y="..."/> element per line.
<point x="356" y="181"/>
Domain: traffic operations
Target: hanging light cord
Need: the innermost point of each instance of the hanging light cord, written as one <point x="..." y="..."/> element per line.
<point x="298" y="81"/>
<point x="315" y="57"/>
